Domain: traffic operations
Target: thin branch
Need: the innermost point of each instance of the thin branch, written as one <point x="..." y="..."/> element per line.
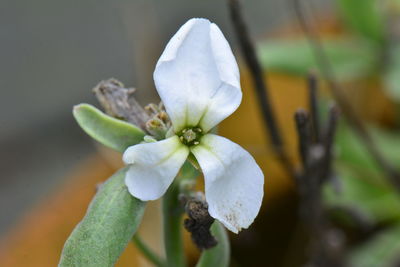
<point x="313" y="105"/>
<point x="259" y="84"/>
<point x="317" y="158"/>
<point x="326" y="244"/>
<point x="302" y="120"/>
<point x="329" y="140"/>
<point x="328" y="74"/>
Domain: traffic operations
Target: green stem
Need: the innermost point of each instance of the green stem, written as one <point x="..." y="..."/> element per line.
<point x="219" y="255"/>
<point x="172" y="216"/>
<point x="172" y="213"/>
<point x="147" y="252"/>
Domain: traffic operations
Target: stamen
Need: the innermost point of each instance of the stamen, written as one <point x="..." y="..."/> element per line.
<point x="191" y="136"/>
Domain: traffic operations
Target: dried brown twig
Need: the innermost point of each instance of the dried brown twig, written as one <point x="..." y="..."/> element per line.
<point x="260" y="85"/>
<point x="315" y="148"/>
<point x="313" y="103"/>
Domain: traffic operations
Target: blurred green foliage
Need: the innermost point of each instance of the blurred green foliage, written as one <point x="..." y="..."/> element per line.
<point x="350" y="58"/>
<point x="365" y="190"/>
<point x="365" y="17"/>
<point x="372" y="49"/>
<point x="368" y="48"/>
<point x="392" y="74"/>
<point x="382" y="250"/>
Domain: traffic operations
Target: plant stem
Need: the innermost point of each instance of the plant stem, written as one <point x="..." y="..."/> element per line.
<point x="172" y="220"/>
<point x="219" y="255"/>
<point x="313" y="106"/>
<point x="260" y="86"/>
<point x="147" y="252"/>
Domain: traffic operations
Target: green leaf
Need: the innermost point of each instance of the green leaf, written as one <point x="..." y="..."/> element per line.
<point x="392" y="75"/>
<point x="109" y="224"/>
<point x="349" y="58"/>
<point x="111" y="132"/>
<point x="375" y="201"/>
<point x="351" y="150"/>
<point x="365" y="17"/>
<point x="364" y="185"/>
<point x="383" y="250"/>
<point x="220" y="254"/>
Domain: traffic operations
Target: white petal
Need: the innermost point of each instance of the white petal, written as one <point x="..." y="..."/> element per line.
<point x="154" y="167"/>
<point x="233" y="181"/>
<point x="197" y="76"/>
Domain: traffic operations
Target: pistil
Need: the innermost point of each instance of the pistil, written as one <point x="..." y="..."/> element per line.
<point x="191" y="136"/>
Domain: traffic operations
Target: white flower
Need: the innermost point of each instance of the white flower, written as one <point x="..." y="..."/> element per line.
<point x="198" y="80"/>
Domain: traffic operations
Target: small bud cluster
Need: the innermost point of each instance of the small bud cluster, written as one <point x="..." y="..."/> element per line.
<point x="159" y="123"/>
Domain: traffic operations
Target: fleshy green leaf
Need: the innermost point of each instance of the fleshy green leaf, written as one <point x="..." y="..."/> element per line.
<point x="111" y="132"/>
<point x="392" y="75"/>
<point x="109" y="224"/>
<point x="349" y="58"/>
<point x="383" y="250"/>
<point x="220" y="254"/>
<point x="365" y="17"/>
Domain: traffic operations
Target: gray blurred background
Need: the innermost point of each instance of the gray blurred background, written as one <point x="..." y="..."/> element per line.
<point x="53" y="52"/>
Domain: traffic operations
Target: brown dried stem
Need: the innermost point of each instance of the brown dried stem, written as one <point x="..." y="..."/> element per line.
<point x="260" y="85"/>
<point x="325" y="249"/>
<point x="313" y="106"/>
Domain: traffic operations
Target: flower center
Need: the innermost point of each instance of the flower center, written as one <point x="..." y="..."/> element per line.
<point x="191" y="136"/>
